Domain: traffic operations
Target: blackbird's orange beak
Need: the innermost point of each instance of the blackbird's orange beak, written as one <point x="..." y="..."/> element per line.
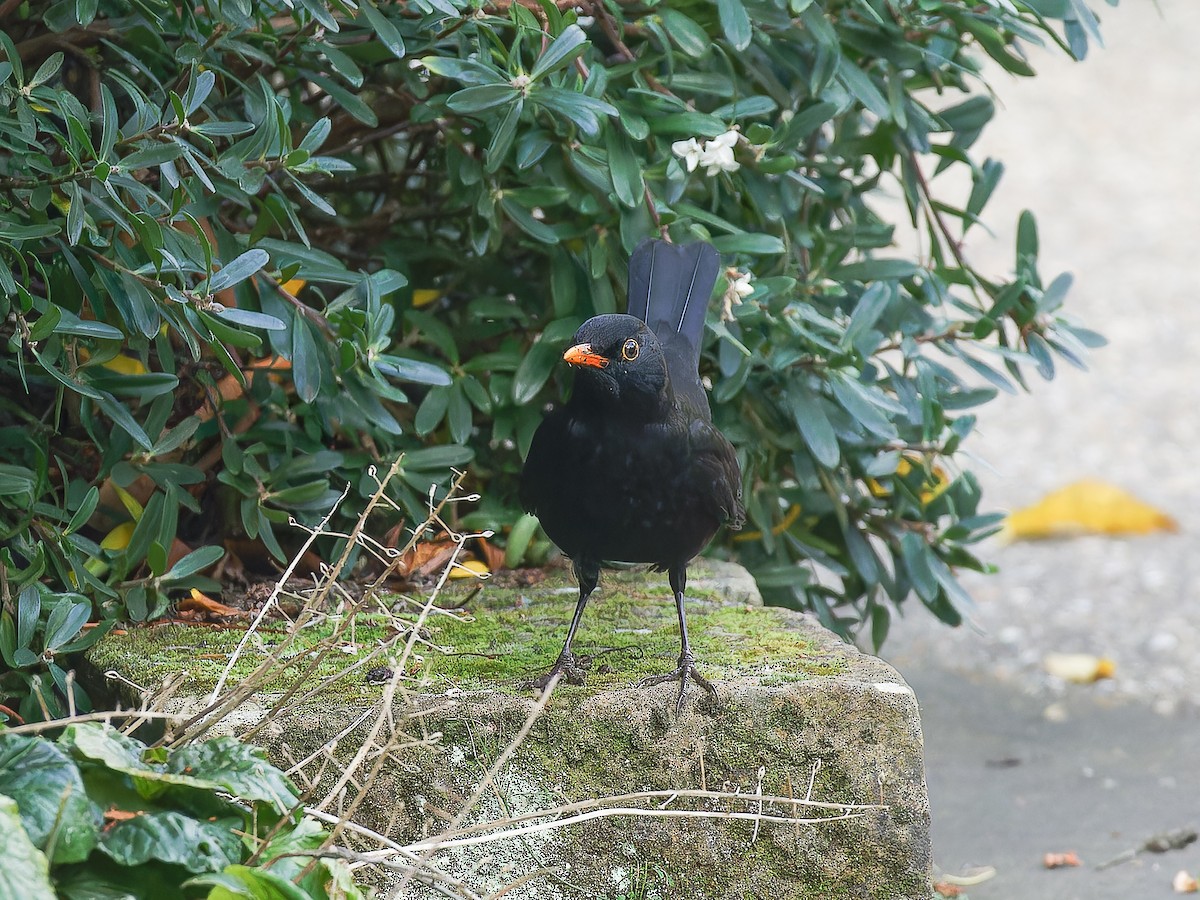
<point x="583" y="355"/>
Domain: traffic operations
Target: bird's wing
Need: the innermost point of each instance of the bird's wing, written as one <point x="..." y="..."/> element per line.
<point x="669" y="289"/>
<point x="539" y="473"/>
<point x="717" y="462"/>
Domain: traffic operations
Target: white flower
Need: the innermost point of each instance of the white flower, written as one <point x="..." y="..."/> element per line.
<point x="739" y="287"/>
<point x="728" y="139"/>
<point x="689" y="151"/>
<point x="717" y="155"/>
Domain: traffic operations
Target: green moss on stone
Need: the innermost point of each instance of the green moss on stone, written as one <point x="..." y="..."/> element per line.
<point x="500" y="640"/>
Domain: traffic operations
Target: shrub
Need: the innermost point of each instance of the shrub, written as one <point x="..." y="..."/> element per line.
<point x="97" y="814"/>
<point x="248" y="249"/>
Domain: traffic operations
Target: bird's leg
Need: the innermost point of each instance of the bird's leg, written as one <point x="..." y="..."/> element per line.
<point x="588" y="576"/>
<point x="687" y="663"/>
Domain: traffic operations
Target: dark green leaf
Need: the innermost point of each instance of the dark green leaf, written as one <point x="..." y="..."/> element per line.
<point x="868" y="309"/>
<point x="25" y="873"/>
<point x="468" y="71"/>
<point x="586" y="112"/>
<point x="970" y="115"/>
<point x="65" y="380"/>
<point x="564" y="48"/>
<point x="238" y="270"/>
<point x="755" y="244"/>
<point x="194" y="562"/>
<point x="862" y="86"/>
<point x="387" y="33"/>
<point x="535" y="370"/>
<point x="411" y="370"/>
<point x="306" y="361"/>
<point x="152" y="155"/>
<point x="1027" y="240"/>
<point x="916" y="555"/>
<point x="878" y="270"/>
<point x="120" y="416"/>
<point x="623" y="167"/>
<point x="50" y="794"/>
<point x="483" y="97"/>
<point x="524" y="219"/>
<point x="685" y="33"/>
<point x="459" y="415"/>
<point x="866" y="407"/>
<point x="46" y="324"/>
<point x="74" y="213"/>
<point x="238" y="881"/>
<point x="65" y="620"/>
<point x="746" y="108"/>
<point x="432" y="410"/>
<point x="69" y="323"/>
<point x="808" y="413"/>
<point x="250" y="319"/>
<point x="236" y="767"/>
<point x="176" y="838"/>
<point x="437" y="459"/>
<point x="85" y="510"/>
<point x="502" y="140"/>
<point x="735" y="22"/>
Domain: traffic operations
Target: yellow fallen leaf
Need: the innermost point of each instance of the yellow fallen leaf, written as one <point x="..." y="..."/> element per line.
<point x="125" y="365"/>
<point x="118" y="538"/>
<point x="424" y="296"/>
<point x="472" y="568"/>
<point x="129" y="502"/>
<point x="1086" y="507"/>
<point x="121" y="364"/>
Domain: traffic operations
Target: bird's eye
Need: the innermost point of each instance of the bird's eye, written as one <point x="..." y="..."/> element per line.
<point x="630" y="350"/>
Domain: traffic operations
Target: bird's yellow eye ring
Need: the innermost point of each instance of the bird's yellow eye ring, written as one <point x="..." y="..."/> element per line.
<point x="630" y="350"/>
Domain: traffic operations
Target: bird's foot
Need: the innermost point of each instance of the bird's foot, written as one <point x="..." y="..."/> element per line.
<point x="687" y="670"/>
<point x="568" y="666"/>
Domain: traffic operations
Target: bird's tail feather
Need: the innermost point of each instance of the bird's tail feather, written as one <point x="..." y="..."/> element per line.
<point x="669" y="288"/>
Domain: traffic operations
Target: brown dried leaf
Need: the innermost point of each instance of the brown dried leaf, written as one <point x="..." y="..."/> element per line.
<point x="202" y="604"/>
<point x="427" y="558"/>
<point x="493" y="556"/>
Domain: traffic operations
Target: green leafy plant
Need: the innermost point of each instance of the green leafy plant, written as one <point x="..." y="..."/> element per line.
<point x="250" y="250"/>
<point x="47" y="626"/>
<point x="96" y="813"/>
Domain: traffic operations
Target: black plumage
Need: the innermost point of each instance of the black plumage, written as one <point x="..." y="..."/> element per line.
<point x="631" y="468"/>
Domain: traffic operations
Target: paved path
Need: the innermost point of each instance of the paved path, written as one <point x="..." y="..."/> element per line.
<point x="1105" y="153"/>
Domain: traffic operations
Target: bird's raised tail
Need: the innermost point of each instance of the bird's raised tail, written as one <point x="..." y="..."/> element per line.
<point x="669" y="289"/>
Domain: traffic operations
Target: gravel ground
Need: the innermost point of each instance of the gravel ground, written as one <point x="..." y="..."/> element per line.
<point x="1019" y="763"/>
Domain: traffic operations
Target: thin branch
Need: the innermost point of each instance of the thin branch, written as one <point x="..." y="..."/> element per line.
<point x="108" y="716"/>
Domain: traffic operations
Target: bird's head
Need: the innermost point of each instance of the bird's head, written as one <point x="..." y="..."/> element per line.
<point x="619" y="363"/>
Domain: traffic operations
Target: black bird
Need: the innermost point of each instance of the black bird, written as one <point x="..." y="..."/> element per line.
<point x="631" y="468"/>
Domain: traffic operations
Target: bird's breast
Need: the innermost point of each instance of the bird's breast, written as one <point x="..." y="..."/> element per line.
<point x="629" y="493"/>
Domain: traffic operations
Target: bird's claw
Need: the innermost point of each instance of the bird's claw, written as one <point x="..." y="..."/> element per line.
<point x="687" y="670"/>
<point x="567" y="665"/>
